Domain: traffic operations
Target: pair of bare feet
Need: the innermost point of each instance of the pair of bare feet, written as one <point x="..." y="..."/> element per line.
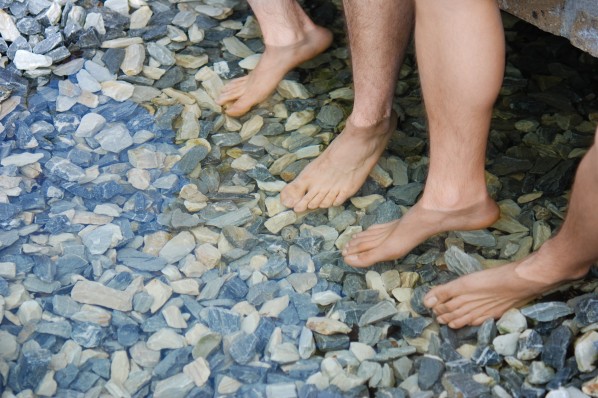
<point x="341" y="170"/>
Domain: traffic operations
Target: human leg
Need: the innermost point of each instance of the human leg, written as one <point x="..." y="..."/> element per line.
<point x="290" y="37"/>
<point x="460" y="52"/>
<point x="473" y="298"/>
<point x="379" y="31"/>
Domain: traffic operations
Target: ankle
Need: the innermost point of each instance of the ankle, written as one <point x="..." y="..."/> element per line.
<point x="455" y="200"/>
<point x="560" y="263"/>
<point x="369" y="120"/>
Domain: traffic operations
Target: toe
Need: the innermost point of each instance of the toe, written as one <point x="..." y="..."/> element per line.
<point x="438" y="295"/>
<point x="292" y="193"/>
<point x="240" y="107"/>
<point x="328" y="201"/>
<point x="362" y="259"/>
<point x="301" y="206"/>
<point x="315" y="202"/>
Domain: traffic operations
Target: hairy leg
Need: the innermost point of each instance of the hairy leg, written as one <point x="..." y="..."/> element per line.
<point x="379" y="31"/>
<point x="460" y="52"/>
<point x="474" y="298"/>
<point x="290" y="37"/>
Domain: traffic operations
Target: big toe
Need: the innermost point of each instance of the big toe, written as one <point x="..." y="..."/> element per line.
<point x="239" y="107"/>
<point x="292" y="194"/>
<point x="438" y="295"/>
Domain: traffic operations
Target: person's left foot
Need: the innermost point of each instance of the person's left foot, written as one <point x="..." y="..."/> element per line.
<point x="473" y="298"/>
<point x="241" y="94"/>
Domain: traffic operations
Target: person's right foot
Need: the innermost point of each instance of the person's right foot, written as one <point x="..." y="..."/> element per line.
<point x="339" y="172"/>
<point x="473" y="298"/>
<point x="393" y="240"/>
<point x="241" y="94"/>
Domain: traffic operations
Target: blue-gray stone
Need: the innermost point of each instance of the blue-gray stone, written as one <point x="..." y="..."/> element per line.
<point x="99" y="366"/>
<point x="223" y="321"/>
<point x="352" y="284"/>
<point x="303" y="305"/>
<point x="49" y="43"/>
<point x="88" y="335"/>
<point x="35" y="285"/>
<point x="140" y="260"/>
<point x="84" y="381"/>
<point x="29" y="26"/>
<point x="120" y="281"/>
<point x="299" y="260"/>
<point x="88" y="39"/>
<point x="59" y="54"/>
<point x="547" y="311"/>
<point x="486" y="356"/>
<point x="172" y="77"/>
<point x="556" y="345"/>
<point x="127" y="335"/>
<point x="260" y="293"/>
<point x="274" y="267"/>
<point x="173" y="363"/>
<point x="243" y="348"/>
<point x="379" y="312"/>
<point x="154" y="323"/>
<point x="60" y="328"/>
<point x="304" y="368"/>
<point x="586" y="311"/>
<point x="4" y="289"/>
<point x="65" y="376"/>
<point x="486" y="332"/>
<point x="8" y="238"/>
<point x="191" y="160"/>
<point x="331" y="343"/>
<point x="263" y="332"/>
<point x="8" y="211"/>
<point x="430" y="371"/>
<point x="405" y="194"/>
<point x="417" y="300"/>
<point x="32" y="367"/>
<point x="396" y="392"/>
<point x="413" y="327"/>
<point x="142" y="302"/>
<point x="234" y="288"/>
<point x="113" y="58"/>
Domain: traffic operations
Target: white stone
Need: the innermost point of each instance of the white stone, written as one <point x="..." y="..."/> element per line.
<point x="133" y="62"/>
<point x="285" y="353"/>
<point x="362" y="351"/>
<point x="87" y="81"/>
<point x="586" y="352"/>
<point x="99" y="72"/>
<point x="95" y="293"/>
<point x="8" y="28"/>
<point x="69" y="68"/>
<point x="120" y="6"/>
<point x="90" y="124"/>
<point x="9" y="348"/>
<point x="117" y="90"/>
<point x="165" y="339"/>
<point x="177" y="248"/>
<point x="511" y="321"/>
<point x="29" y="311"/>
<point x="121" y="42"/>
<point x="325" y="298"/>
<point x="160" y="292"/>
<point x="327" y="326"/>
<point x="95" y="20"/>
<point x="120" y="367"/>
<point x="506" y="344"/>
<point x="8" y="270"/>
<point x="139" y="178"/>
<point x="273" y="308"/>
<point x="114" y="137"/>
<point x="47" y="386"/>
<point x="173" y="317"/>
<point x="140" y="17"/>
<point x="281" y="220"/>
<point x="26" y="60"/>
<point x="198" y="371"/>
<point x="102" y="238"/>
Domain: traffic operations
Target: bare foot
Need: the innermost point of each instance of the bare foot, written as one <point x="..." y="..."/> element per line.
<point x="339" y="172"/>
<point x="473" y="298"/>
<point x="384" y="242"/>
<point x="241" y="94"/>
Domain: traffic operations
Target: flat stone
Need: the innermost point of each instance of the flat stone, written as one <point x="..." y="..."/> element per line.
<point x="97" y="294"/>
<point x="177" y="248"/>
<point x="378" y="312"/>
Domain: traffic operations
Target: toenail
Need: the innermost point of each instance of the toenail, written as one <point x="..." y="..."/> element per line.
<point x="431" y="302"/>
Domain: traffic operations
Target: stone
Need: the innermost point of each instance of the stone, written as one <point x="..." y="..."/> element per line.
<point x="378" y="312"/>
<point x="8" y="28"/>
<point x="178" y="247"/>
<point x="95" y="293"/>
<point x="430" y="371"/>
<point x="546" y="311"/>
<point x="327" y="326"/>
<point x="134" y="58"/>
<point x="117" y="90"/>
<point x="198" y="371"/>
<point x="165" y="339"/>
<point x="511" y="321"/>
<point x="460" y="262"/>
<point x="26" y="60"/>
<point x="115" y="137"/>
<point x="586" y="351"/>
<point x="102" y="238"/>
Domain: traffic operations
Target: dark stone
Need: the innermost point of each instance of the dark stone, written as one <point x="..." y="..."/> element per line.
<point x="113" y="58"/>
<point x="99" y="366"/>
<point x="223" y="321"/>
<point x="31" y="368"/>
<point x="558" y="179"/>
<point x="172" y="363"/>
<point x="262" y="292"/>
<point x="486" y="332"/>
<point x="413" y="327"/>
<point x="172" y="77"/>
<point x="331" y="343"/>
<point x="555" y="347"/>
<point x="59" y="54"/>
<point x="417" y="300"/>
<point x="486" y="356"/>
<point x="504" y="165"/>
<point x="120" y="281"/>
<point x="49" y="43"/>
<point x="586" y="311"/>
<point x="8" y="211"/>
<point x="85" y="381"/>
<point x="88" y="39"/>
<point x="430" y="371"/>
<point x="191" y="160"/>
<point x="28" y="26"/>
